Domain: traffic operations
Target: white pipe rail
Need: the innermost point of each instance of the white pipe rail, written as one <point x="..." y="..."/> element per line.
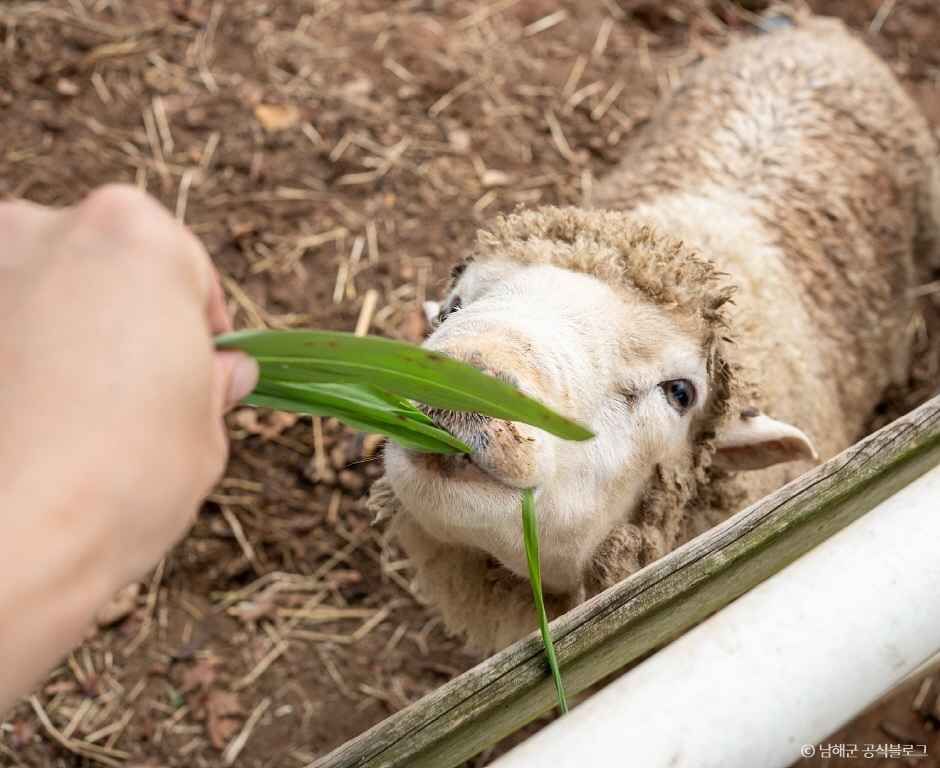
<point x="777" y="671"/>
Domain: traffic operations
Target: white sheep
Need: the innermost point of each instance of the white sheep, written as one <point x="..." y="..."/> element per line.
<point x="738" y="300"/>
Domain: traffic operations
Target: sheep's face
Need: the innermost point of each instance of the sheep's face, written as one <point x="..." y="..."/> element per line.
<point x="606" y="357"/>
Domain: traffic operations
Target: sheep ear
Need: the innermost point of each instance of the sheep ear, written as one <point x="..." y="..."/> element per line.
<point x="756" y="441"/>
<point x="431" y="310"/>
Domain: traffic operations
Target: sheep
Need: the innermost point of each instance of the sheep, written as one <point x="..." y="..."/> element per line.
<point x="728" y="311"/>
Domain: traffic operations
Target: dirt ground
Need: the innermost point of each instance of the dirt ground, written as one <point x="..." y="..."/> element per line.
<point x="336" y="156"/>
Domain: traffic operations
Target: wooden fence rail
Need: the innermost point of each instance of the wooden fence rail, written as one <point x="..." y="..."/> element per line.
<point x="652" y="607"/>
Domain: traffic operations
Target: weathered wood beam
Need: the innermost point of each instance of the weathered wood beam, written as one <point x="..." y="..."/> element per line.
<point x="652" y="607"/>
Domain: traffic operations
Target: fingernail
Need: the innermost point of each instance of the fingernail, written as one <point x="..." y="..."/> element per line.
<point x="244" y="378"/>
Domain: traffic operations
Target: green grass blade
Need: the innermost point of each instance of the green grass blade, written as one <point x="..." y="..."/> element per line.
<point x="402" y="369"/>
<point x="363" y="408"/>
<point x="420" y="443"/>
<point x="531" y="538"/>
<point x="360" y="409"/>
<point x="348" y="397"/>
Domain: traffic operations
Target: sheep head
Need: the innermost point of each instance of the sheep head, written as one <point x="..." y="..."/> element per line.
<point x="613" y="325"/>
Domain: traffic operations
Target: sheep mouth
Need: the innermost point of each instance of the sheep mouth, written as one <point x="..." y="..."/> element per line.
<point x="467" y="425"/>
<point x="461" y="466"/>
<point x="471" y="428"/>
<point x="457" y="468"/>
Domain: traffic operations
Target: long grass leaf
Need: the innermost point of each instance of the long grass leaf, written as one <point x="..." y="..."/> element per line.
<point x="412" y="433"/>
<point x="531" y="539"/>
<point x="402" y="369"/>
<point x="404" y="437"/>
<point x="348" y="396"/>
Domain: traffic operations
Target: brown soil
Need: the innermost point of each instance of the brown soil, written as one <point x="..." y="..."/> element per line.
<point x="323" y="149"/>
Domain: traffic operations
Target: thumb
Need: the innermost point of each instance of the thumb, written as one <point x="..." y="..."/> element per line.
<point x="236" y="375"/>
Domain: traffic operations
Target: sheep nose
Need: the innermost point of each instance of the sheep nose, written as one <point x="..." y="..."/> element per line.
<point x="509" y="452"/>
<point x="470" y="426"/>
<point x="504" y="356"/>
<point x="497" y="372"/>
<point x="487" y="363"/>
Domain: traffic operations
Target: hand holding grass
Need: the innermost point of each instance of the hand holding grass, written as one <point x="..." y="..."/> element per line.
<point x="113" y="400"/>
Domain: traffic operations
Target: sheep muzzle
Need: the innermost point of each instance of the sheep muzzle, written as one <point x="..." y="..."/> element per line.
<point x="467" y="426"/>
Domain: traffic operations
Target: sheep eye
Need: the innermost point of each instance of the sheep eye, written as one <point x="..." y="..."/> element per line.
<point x="680" y="393"/>
<point x="448" y="309"/>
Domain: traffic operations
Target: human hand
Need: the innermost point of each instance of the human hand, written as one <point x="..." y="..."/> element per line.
<point x="113" y="393"/>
